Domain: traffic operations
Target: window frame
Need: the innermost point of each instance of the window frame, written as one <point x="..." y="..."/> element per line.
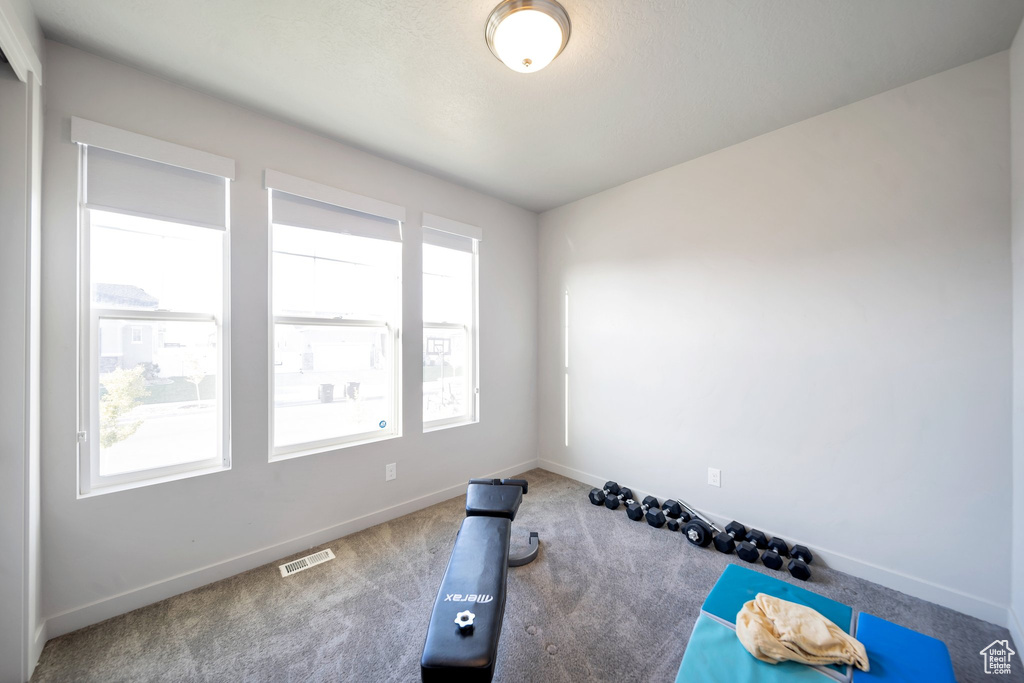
<point x="90" y="481"/>
<point x="475" y="234"/>
<point x="324" y="445"/>
<point x="300" y="187"/>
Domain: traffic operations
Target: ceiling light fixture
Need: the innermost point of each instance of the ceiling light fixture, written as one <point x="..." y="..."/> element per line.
<point x="527" y="34"/>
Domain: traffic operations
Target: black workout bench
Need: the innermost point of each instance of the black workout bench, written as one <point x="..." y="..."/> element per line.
<point x="462" y="638"/>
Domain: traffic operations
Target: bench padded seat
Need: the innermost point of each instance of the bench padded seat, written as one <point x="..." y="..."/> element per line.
<point x="488" y="500"/>
<point x="474" y="581"/>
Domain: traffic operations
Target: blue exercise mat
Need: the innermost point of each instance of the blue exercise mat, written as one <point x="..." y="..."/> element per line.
<point x="738" y="584"/>
<point x="899" y="655"/>
<point x="715" y="655"/>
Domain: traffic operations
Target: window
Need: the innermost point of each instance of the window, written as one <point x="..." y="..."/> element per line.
<point x="450" y="386"/>
<point x="336" y="302"/>
<point x="565" y="313"/>
<point x="153" y="337"/>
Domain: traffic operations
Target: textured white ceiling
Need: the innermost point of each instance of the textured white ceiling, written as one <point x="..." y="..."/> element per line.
<point x="642" y="85"/>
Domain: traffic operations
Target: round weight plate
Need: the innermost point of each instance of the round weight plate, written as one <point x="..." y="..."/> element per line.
<point x="697" y="533"/>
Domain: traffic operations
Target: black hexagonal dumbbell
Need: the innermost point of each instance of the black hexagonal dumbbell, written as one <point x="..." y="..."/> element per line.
<point x="758" y="538"/>
<point x="636" y="511"/>
<point x="777" y="549"/>
<point x="597" y="496"/>
<point x="749" y="549"/>
<point x="800" y="558"/>
<point x="671" y="513"/>
<point x="725" y="542"/>
<point x="625" y="495"/>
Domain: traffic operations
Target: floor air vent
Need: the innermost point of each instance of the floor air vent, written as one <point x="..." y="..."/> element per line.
<point x="296" y="566"/>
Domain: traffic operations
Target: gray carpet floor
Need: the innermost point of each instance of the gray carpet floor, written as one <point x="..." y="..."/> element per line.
<point x="608" y="599"/>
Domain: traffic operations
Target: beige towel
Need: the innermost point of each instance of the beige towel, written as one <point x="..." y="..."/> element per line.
<point x="776" y="630"/>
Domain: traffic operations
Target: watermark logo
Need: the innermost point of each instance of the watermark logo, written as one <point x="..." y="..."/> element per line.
<point x="997" y="657"/>
<point x="383" y="424"/>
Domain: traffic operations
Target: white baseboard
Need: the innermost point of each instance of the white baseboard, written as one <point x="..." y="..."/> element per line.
<point x="95" y="612"/>
<point x="571" y="473"/>
<point x="36" y="646"/>
<point x="952" y="598"/>
<point x="1014" y="626"/>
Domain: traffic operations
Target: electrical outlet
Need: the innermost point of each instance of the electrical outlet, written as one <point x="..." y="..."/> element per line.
<point x="714" y="477"/>
<point x="390" y="471"/>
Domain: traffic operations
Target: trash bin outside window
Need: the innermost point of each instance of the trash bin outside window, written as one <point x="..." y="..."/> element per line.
<point x="352" y="390"/>
<point x="326" y="393"/>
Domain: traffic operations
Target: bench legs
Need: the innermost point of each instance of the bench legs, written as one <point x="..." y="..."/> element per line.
<point x="527" y="556"/>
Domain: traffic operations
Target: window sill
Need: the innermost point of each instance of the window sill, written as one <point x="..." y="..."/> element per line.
<point x="326" y="448"/>
<point x="441" y="424"/>
<point x="125" y="486"/>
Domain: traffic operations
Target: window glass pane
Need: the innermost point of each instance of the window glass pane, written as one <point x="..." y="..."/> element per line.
<point x="149" y="265"/>
<point x="448" y="333"/>
<point x="331" y="275"/>
<point x="332" y="381"/>
<point x="447" y="382"/>
<point x="157" y="395"/>
<point x="447" y="285"/>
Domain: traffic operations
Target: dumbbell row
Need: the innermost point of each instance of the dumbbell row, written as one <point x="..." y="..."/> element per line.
<point x="698" y="531"/>
<point x="637" y="511"/>
<point x="702" y="532"/>
<point x="612" y="496"/>
<point x="775" y="549"/>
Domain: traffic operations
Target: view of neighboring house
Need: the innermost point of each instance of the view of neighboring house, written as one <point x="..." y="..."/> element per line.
<point x="165" y="349"/>
<point x="123" y="344"/>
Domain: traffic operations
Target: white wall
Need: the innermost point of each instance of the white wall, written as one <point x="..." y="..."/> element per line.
<point x="107" y="554"/>
<point x="21" y="639"/>
<point x="14" y="124"/>
<point x="21" y="633"/>
<point x="24" y="25"/>
<point x="1017" y="195"/>
<point x="824" y="313"/>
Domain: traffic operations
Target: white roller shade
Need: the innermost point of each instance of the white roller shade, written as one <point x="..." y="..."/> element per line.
<point x="128" y="184"/>
<point x="302" y="212"/>
<point x="135" y="174"/>
<point x="448" y="240"/>
<point x="444" y="232"/>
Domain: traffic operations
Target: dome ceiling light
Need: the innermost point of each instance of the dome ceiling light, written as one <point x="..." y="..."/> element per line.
<point x="527" y="34"/>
